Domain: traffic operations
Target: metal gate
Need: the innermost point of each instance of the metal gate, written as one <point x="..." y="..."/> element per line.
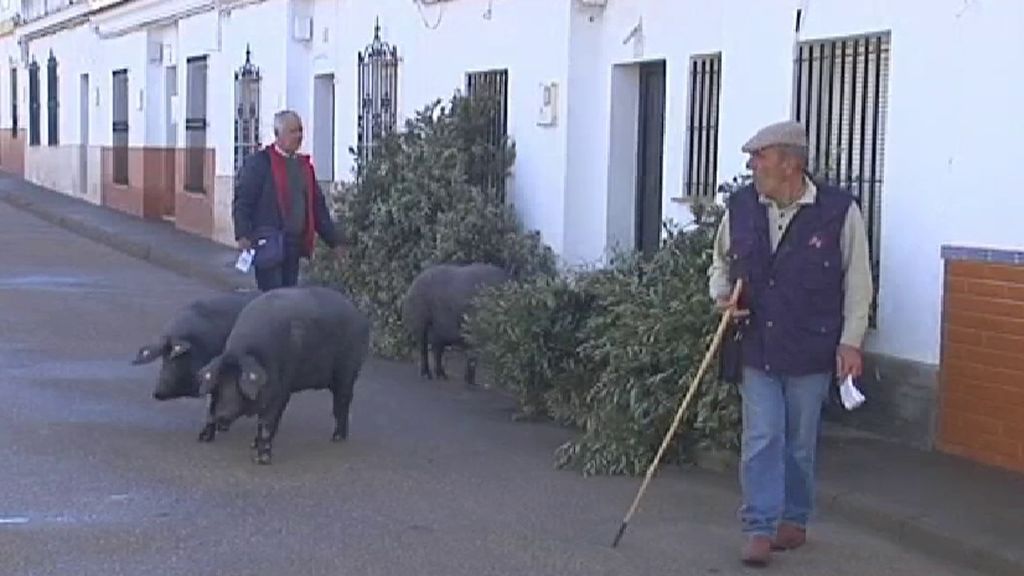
<point x="493" y="85"/>
<point x="195" y="125"/>
<point x="52" y="102"/>
<point x="840" y="95"/>
<point x="378" y="91"/>
<point x="120" y="127"/>
<point x="247" y="110"/>
<point x="33" y="104"/>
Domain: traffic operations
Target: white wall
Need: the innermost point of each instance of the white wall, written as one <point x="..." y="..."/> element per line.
<point x="8" y="51"/>
<point x="321" y="136"/>
<point x="438" y="45"/>
<point x="200" y="36"/>
<point x="262" y="27"/>
<point x="606" y="47"/>
<point x="9" y="8"/>
<point x="951" y="164"/>
<point x="55" y="166"/>
<point x="953" y="123"/>
<point x="951" y="135"/>
<point x="123" y="52"/>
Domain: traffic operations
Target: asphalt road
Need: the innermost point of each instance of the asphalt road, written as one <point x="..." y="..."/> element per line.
<point x="100" y="479"/>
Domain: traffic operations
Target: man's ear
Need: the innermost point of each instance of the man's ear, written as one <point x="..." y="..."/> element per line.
<point x="150" y="353"/>
<point x="178" y="347"/>
<point x="208" y="375"/>
<point x="251" y="377"/>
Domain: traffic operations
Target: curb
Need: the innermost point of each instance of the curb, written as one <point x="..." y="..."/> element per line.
<point x="907" y="530"/>
<point x="134" y="248"/>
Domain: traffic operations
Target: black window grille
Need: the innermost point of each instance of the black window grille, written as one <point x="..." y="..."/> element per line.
<point x="52" y="102"/>
<point x="195" y="125"/>
<point x="33" y="104"/>
<point x="840" y="95"/>
<point x="702" y="126"/>
<point x="14" y="102"/>
<point x="492" y="87"/>
<point x="247" y="110"/>
<point x="378" y="93"/>
<point x="119" y="115"/>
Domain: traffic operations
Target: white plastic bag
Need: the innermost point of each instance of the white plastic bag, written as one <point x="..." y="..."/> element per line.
<point x="244" y="261"/>
<point x="849" y="394"/>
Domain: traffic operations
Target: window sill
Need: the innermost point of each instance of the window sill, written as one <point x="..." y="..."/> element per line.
<point x="692" y="200"/>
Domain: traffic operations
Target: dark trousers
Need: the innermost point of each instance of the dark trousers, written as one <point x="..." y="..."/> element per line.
<point x="287" y="273"/>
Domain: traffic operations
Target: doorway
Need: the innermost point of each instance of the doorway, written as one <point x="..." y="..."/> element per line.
<point x="83" y="151"/>
<point x="323" y="127"/>
<point x="171" y="141"/>
<point x="635" y="157"/>
<point x="650" y="155"/>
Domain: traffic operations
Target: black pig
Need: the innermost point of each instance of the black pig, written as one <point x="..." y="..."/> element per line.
<point x="434" y="309"/>
<point x="287" y="340"/>
<point x="193" y="337"/>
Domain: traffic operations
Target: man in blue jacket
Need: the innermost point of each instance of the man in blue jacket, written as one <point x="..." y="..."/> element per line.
<point x="278" y="207"/>
<point x="802" y="253"/>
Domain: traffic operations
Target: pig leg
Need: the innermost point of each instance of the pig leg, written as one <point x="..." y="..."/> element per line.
<point x="342" y="401"/>
<point x="424" y="364"/>
<point x="471" y="369"/>
<point x="209" y="430"/>
<point x="439" y="360"/>
<point x="266" y="429"/>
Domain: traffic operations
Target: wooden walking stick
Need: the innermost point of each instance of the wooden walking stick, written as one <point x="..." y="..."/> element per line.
<point x="715" y="342"/>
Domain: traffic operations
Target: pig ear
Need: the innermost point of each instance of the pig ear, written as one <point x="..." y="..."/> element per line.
<point x="149" y="353"/>
<point x="207" y="376"/>
<point x="252" y="377"/>
<point x="179" y="347"/>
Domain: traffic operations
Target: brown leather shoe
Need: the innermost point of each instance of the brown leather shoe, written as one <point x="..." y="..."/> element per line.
<point x="757" y="550"/>
<point x="789" y="536"/>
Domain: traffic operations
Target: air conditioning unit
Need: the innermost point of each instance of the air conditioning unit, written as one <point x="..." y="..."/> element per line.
<point x="594" y="3"/>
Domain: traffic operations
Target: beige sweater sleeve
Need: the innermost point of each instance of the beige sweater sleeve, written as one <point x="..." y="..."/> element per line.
<point x="718" y="273"/>
<point x="858" y="286"/>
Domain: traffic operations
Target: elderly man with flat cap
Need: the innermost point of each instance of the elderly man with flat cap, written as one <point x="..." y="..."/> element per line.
<point x="802" y="253"/>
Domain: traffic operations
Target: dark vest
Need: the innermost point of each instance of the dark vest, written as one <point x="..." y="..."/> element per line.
<point x="795" y="296"/>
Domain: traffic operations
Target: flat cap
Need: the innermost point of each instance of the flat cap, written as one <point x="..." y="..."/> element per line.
<point x="786" y="133"/>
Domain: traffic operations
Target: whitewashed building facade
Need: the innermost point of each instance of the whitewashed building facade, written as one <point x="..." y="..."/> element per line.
<point x="623" y="112"/>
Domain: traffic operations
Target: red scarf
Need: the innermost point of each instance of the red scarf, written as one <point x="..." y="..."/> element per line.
<point x="280" y="173"/>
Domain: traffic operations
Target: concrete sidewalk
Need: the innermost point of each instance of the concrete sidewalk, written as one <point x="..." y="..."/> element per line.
<point x="963" y="513"/>
<point x="156" y="241"/>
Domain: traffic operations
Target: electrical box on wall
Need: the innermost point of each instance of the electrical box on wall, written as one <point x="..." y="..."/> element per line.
<point x="548" y="112"/>
<point x="302" y="30"/>
<point x="168" y="55"/>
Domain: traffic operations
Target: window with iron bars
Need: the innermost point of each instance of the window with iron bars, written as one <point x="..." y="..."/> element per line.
<point x="841" y="97"/>
<point x="705" y="85"/>
<point x="247" y="110"/>
<point x="119" y="136"/>
<point x="493" y="86"/>
<point x="195" y="125"/>
<point x="52" y="102"/>
<point x="33" y="104"/>
<point x="378" y="91"/>
<point x="14" y="102"/>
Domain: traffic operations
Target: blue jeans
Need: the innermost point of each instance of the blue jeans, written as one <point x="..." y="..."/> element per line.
<point x="780" y="435"/>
